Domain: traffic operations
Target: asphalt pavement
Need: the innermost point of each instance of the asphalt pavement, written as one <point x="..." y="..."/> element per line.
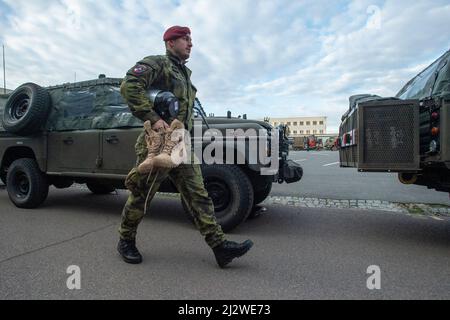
<point x="299" y="253"/>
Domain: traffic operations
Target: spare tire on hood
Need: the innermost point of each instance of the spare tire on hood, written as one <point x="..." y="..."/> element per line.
<point x="26" y="110"/>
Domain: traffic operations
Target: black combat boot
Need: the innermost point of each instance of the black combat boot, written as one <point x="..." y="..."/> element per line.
<point x="229" y="250"/>
<point x="129" y="252"/>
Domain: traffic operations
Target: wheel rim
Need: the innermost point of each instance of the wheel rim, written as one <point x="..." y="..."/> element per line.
<point x="220" y="195"/>
<point x="22" y="185"/>
<point x="19" y="107"/>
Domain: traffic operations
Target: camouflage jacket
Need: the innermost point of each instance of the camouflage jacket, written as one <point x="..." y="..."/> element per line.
<point x="166" y="73"/>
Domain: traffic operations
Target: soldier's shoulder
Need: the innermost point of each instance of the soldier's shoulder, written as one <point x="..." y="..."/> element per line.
<point x="155" y="61"/>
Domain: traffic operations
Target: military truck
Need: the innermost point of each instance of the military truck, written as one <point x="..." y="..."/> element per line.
<point x="408" y="134"/>
<point x="84" y="133"/>
<point x="298" y="143"/>
<point x="305" y="143"/>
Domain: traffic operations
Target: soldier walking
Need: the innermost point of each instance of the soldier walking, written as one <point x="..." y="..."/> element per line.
<point x="167" y="73"/>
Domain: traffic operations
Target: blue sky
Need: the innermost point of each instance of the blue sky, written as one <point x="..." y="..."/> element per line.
<point x="263" y="58"/>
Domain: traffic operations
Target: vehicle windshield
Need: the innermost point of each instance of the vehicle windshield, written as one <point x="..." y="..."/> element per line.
<point x="421" y="86"/>
<point x="417" y="87"/>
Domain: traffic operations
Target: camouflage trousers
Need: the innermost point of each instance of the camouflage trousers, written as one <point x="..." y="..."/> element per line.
<point x="188" y="180"/>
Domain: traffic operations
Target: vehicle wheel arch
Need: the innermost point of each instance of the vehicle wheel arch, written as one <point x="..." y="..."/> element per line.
<point x="17" y="152"/>
<point x="27" y="185"/>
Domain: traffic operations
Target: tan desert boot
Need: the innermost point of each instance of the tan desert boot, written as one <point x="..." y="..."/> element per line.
<point x="155" y="142"/>
<point x="174" y="151"/>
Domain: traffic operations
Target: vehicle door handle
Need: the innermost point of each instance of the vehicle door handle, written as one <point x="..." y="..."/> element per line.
<point x="112" y="139"/>
<point x="68" y="141"/>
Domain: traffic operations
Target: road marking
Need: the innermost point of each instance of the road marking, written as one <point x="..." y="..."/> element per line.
<point x="436" y="218"/>
<point x="330" y="164"/>
<point x="300" y="160"/>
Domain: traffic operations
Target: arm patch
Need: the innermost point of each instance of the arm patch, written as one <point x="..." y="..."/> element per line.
<point x="139" y="69"/>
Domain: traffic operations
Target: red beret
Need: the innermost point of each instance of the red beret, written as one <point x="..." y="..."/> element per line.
<point x="176" y="32"/>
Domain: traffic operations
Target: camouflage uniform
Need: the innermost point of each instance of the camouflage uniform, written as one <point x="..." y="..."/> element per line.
<point x="165" y="73"/>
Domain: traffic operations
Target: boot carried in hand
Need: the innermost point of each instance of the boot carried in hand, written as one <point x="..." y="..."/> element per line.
<point x="155" y="141"/>
<point x="174" y="150"/>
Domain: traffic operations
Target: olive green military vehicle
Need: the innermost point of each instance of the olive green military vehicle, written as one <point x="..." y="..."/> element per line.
<point x="84" y="133"/>
<point x="408" y="133"/>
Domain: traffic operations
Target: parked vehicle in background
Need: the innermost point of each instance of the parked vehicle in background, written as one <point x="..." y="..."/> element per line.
<point x="312" y="142"/>
<point x="408" y="134"/>
<point x="331" y="144"/>
<point x="298" y="143"/>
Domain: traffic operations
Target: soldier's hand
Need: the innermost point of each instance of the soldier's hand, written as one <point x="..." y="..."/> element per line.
<point x="160" y="124"/>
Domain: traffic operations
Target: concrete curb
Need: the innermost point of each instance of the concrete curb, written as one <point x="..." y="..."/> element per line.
<point x="379" y="205"/>
<point x="410" y="208"/>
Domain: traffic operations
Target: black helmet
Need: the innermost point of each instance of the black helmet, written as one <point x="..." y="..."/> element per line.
<point x="165" y="103"/>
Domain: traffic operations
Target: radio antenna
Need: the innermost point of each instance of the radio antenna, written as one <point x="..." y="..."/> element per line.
<point x="4" y="71"/>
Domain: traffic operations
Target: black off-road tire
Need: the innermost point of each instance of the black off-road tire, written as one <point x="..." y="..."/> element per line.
<point x="27" y="185"/>
<point x="61" y="183"/>
<point x="3" y="175"/>
<point x="231" y="192"/>
<point x="262" y="194"/>
<point x="97" y="188"/>
<point x="262" y="185"/>
<point x="26" y="110"/>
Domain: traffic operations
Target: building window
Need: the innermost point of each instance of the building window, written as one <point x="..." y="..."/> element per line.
<point x="301" y="131"/>
<point x="307" y="131"/>
<point x="288" y="123"/>
<point x="314" y="123"/>
<point x="301" y="123"/>
<point x="321" y="131"/>
<point x="308" y="123"/>
<point x="321" y="123"/>
<point x="314" y="131"/>
<point x="295" y="131"/>
<point x="295" y="123"/>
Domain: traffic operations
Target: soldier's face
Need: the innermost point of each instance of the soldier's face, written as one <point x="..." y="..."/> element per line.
<point x="182" y="47"/>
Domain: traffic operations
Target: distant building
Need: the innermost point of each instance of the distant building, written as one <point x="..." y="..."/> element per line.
<point x="302" y="126"/>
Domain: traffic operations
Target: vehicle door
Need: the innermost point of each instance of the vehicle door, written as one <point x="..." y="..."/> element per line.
<point x="118" y="153"/>
<point x="74" y="151"/>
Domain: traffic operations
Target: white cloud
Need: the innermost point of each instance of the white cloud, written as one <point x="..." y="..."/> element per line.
<point x="263" y="58"/>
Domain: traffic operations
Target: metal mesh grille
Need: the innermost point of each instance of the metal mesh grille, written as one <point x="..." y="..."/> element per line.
<point x="389" y="134"/>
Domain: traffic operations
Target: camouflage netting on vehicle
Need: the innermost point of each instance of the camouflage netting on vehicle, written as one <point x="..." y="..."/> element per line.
<point x="88" y="105"/>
